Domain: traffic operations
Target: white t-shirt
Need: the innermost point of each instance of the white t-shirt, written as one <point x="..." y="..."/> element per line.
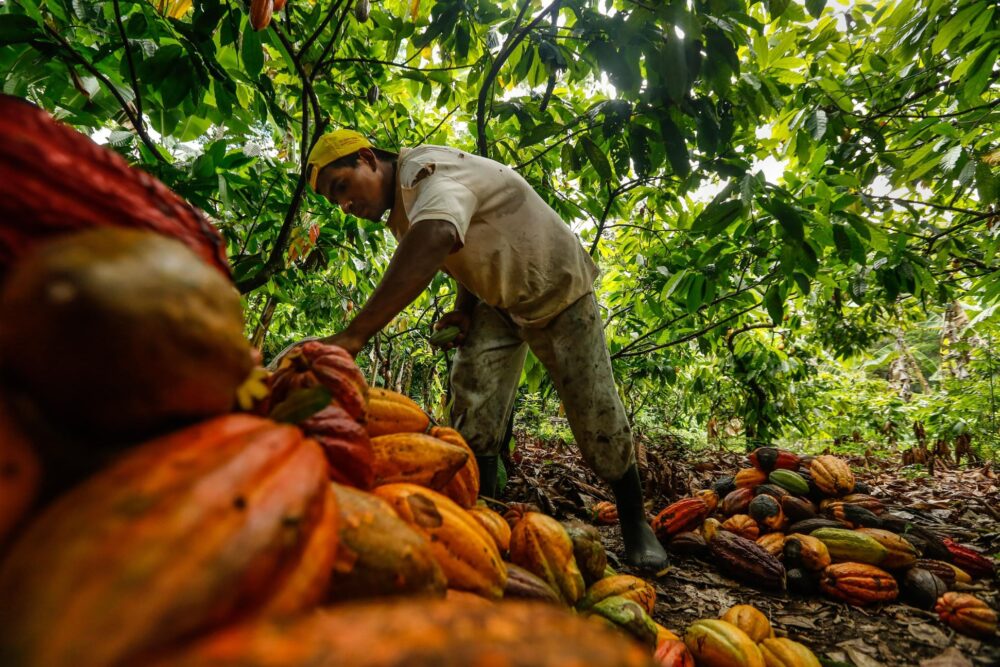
<point x="514" y="251"/>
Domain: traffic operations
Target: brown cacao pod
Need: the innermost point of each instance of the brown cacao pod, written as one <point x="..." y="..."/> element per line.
<point x="55" y="180"/>
<point x="464" y="550"/>
<point x="588" y="551"/>
<point x="417" y="632"/>
<point x="689" y="543"/>
<point x="237" y="509"/>
<point x="797" y="509"/>
<point x="870" y="503"/>
<point x="604" y="513"/>
<point x="673" y="653"/>
<point x="416" y="458"/>
<point x="806" y="551"/>
<point x="464" y="486"/>
<point x="157" y="334"/>
<point x="724" y="486"/>
<point x="750" y="620"/>
<point x="773" y="543"/>
<point x="832" y="475"/>
<point x="346" y="444"/>
<point x="976" y="564"/>
<point x="858" y="584"/>
<point x="771" y="458"/>
<point x="775" y="491"/>
<point x="541" y="545"/>
<point x="967" y="614"/>
<point x="783" y="652"/>
<point x="747" y="478"/>
<point x="855" y="516"/>
<point x="742" y="525"/>
<point x="737" y="501"/>
<point x="628" y="615"/>
<point x="802" y="581"/>
<point x="922" y="588"/>
<point x="494" y="524"/>
<point x="516" y="511"/>
<point x="19" y="473"/>
<point x="746" y="561"/>
<point x="315" y="363"/>
<point x="391" y="412"/>
<point x="682" y="515"/>
<point x="620" y="585"/>
<point x="379" y="554"/>
<point x="807" y="526"/>
<point x="523" y="585"/>
<point x="766" y="511"/>
<point x="260" y="13"/>
<point x="715" y="643"/>
<point x="946" y="572"/>
<point x="900" y="554"/>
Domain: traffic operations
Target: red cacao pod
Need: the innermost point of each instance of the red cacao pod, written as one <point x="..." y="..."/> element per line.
<point x="858" y="584"/>
<point x="346" y="445"/>
<point x="604" y="513"/>
<point x="682" y="515"/>
<point x="967" y="614"/>
<point x="315" y="363"/>
<point x="976" y="564"/>
<point x="260" y="13"/>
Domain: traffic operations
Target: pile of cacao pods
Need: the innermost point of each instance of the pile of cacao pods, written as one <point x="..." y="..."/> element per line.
<point x="806" y="524"/>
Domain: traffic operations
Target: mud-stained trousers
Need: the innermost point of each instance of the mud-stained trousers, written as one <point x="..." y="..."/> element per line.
<point x="487" y="370"/>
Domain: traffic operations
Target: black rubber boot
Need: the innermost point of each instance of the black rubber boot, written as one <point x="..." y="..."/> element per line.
<point x="642" y="549"/>
<point x="487" y="475"/>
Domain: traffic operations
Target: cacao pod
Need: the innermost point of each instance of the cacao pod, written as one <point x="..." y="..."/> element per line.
<point x="716" y="643"/>
<point x="361" y="10"/>
<point x="94" y="187"/>
<point x="772" y="490"/>
<point x="870" y="503"/>
<point x="832" y="475"/>
<point x="771" y="458"/>
<point x="724" y="485"/>
<point x="237" y="508"/>
<point x="260" y="13"/>
<point x="851" y="546"/>
<point x="620" y="585"/>
<point x="466" y="552"/>
<point x="790" y="481"/>
<point x="807" y="526"/>
<point x="628" y="615"/>
<point x="766" y="511"/>
<point x="749" y="478"/>
<point x="858" y="584"/>
<point x="802" y="581"/>
<point x="494" y="524"/>
<point x="976" y="564"/>
<point x="19" y="473"/>
<point x="444" y="335"/>
<point x="807" y="551"/>
<point x="379" y="554"/>
<point x="797" y="509"/>
<point x="524" y="585"/>
<point x="773" y="543"/>
<point x="946" y="572"/>
<point x="463" y="488"/>
<point x="662" y="635"/>
<point x="923" y="588"/>
<point x="682" y="515"/>
<point x="689" y="543"/>
<point x="742" y="525"/>
<point x="604" y="513"/>
<point x="709" y="528"/>
<point x="516" y="511"/>
<point x="710" y="497"/>
<point x="315" y="363"/>
<point x="673" y="653"/>
<point x="416" y="458"/>
<point x="750" y="620"/>
<point x="588" y="551"/>
<point x="782" y="652"/>
<point x="415" y="632"/>
<point x="541" y="545"/>
<point x="391" y="412"/>
<point x="853" y="515"/>
<point x="346" y="444"/>
<point x="967" y="614"/>
<point x="737" y="501"/>
<point x="279" y="5"/>
<point x="746" y="561"/>
<point x="899" y="552"/>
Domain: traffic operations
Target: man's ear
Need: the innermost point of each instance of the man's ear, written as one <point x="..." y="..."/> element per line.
<point x="368" y="155"/>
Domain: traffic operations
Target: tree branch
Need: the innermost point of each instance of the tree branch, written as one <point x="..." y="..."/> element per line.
<point x="683" y="339"/>
<point x="140" y="125"/>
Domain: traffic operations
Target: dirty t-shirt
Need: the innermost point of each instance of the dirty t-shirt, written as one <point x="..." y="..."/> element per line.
<point x="514" y="252"/>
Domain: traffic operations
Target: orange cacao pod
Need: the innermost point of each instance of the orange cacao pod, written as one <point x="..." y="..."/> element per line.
<point x="237" y="508"/>
<point x="604" y="513"/>
<point x="417" y="459"/>
<point x="899" y="553"/>
<point x="466" y="552"/>
<point x="315" y="363"/>
<point x="807" y="551"/>
<point x="673" y="653"/>
<point x="463" y="488"/>
<point x="621" y="585"/>
<point x="346" y="444"/>
<point x="766" y="511"/>
<point x="750" y="620"/>
<point x="682" y="515"/>
<point x="415" y="632"/>
<point x="967" y="614"/>
<point x="391" y="412"/>
<point x="710" y="497"/>
<point x="19" y="473"/>
<point x="663" y="634"/>
<point x="541" y="545"/>
<point x="379" y="554"/>
<point x="55" y="180"/>
<point x="494" y="524"/>
<point x="858" y="584"/>
<point x="783" y="652"/>
<point x="773" y="543"/>
<point x="715" y="643"/>
<point x="260" y="13"/>
<point x="832" y="475"/>
<point x="748" y="478"/>
<point x="279" y="5"/>
<point x="742" y="525"/>
<point x="516" y="511"/>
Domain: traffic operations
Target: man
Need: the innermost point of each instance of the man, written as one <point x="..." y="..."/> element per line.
<point x="524" y="281"/>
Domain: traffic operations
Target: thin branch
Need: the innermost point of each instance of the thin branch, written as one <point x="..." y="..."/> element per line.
<point x="389" y="63"/>
<point x="306" y="82"/>
<point x="687" y="337"/>
<point x="322" y="26"/>
<point x="438" y="126"/>
<point x="140" y="125"/>
<point x="942" y="207"/>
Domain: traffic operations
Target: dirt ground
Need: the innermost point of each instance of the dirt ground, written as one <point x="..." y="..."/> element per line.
<point x="958" y="502"/>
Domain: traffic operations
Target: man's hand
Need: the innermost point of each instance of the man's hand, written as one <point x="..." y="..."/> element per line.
<point x="455" y="318"/>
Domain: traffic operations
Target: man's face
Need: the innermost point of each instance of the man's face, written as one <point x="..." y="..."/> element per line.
<point x="359" y="190"/>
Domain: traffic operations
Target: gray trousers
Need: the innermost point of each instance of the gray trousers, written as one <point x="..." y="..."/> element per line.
<point x="487" y="370"/>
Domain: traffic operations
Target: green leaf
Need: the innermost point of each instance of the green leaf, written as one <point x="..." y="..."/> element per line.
<point x="17" y="28"/>
<point x="953" y="26"/>
<point x="301" y="404"/>
<point x="788" y="217"/>
<point x="717" y="216"/>
<point x="775" y="304"/>
<point x="677" y="152"/>
<point x="597" y="158"/>
<point x="843" y="243"/>
<point x="252" y="52"/>
<point x="815" y="7"/>
<point x="776" y="8"/>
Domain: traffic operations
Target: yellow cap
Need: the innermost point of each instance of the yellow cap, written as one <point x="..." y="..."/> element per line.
<point x="331" y="147"/>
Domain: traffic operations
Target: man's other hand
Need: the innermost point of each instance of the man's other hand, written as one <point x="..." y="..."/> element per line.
<point x="455" y="318"/>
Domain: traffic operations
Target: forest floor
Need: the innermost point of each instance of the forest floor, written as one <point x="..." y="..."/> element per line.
<point x="958" y="502"/>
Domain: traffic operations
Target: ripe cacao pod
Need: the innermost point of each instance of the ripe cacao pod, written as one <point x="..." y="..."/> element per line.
<point x="315" y="363"/>
<point x="391" y="412"/>
<point x="417" y="632"/>
<point x="771" y="458"/>
<point x="853" y="515"/>
<point x="494" y="524"/>
<point x="746" y="561"/>
<point x="628" y="615"/>
<point x="541" y="545"/>
<point x="55" y="180"/>
<point x="870" y="503"/>
<point x="416" y="458"/>
<point x="710" y="527"/>
<point x="662" y="635"/>
<point x="923" y="588"/>
<point x="682" y="515"/>
<point x="588" y="551"/>
<point x="279" y="5"/>
<point x="737" y="501"/>
<point x="807" y="526"/>
<point x="797" y="509"/>
<point x="346" y="444"/>
<point x="689" y="543"/>
<point x="772" y="490"/>
<point x="466" y="552"/>
<point x="766" y="511"/>
<point x="463" y="488"/>
<point x="944" y="571"/>
<point x="724" y="485"/>
<point x="790" y="481"/>
<point x="851" y="546"/>
<point x="750" y="620"/>
<point x="806" y="551"/>
<point x="967" y="614"/>
<point x="673" y="653"/>
<point x="832" y="475"/>
<point x="19" y="473"/>
<point x="858" y="584"/>
<point x="900" y="554"/>
<point x="749" y="478"/>
<point x="260" y="13"/>
<point x="237" y="509"/>
<point x="516" y="511"/>
<point x="783" y="652"/>
<point x="157" y="334"/>
<point x="715" y="643"/>
<point x="773" y="543"/>
<point x="710" y="497"/>
<point x="976" y="564"/>
<point x="523" y="585"/>
<point x="742" y="525"/>
<point x="379" y="554"/>
<point x="620" y="585"/>
<point x="604" y="513"/>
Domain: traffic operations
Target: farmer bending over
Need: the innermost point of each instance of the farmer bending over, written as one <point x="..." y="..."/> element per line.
<point x="524" y="281"/>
